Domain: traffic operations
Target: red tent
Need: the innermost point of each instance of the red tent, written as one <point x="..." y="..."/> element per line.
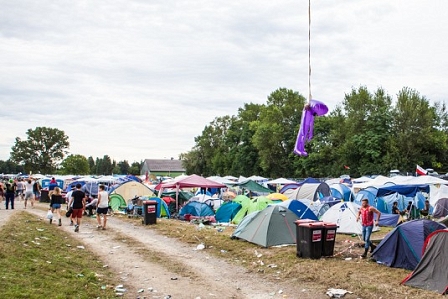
<point x="191" y="181"/>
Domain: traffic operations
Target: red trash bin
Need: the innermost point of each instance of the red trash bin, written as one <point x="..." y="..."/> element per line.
<point x="310" y="242"/>
<point x="329" y="238"/>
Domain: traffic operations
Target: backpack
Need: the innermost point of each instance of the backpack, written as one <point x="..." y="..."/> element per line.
<point x="9" y="188"/>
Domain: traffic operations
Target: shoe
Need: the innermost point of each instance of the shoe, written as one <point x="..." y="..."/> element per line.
<point x="372" y="247"/>
<point x="104" y="228"/>
<point x="51" y="220"/>
<point x="364" y="255"/>
<point x="76" y="228"/>
<point x="60" y="222"/>
<point x="71" y="223"/>
<point x="99" y="227"/>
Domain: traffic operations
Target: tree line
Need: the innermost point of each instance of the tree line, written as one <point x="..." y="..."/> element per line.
<point x="45" y="151"/>
<point x="368" y="133"/>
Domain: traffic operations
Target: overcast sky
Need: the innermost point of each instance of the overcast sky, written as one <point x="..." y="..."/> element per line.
<point x="137" y="79"/>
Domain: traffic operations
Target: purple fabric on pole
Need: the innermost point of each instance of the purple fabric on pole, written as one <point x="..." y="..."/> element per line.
<point x="312" y="109"/>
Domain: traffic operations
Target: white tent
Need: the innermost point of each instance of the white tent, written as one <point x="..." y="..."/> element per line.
<point x="281" y="181"/>
<point x="344" y="215"/>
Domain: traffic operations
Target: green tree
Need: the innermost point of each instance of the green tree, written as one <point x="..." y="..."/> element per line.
<point x="135" y="168"/>
<point x="124" y="167"/>
<point x="41" y="151"/>
<point x="75" y="164"/>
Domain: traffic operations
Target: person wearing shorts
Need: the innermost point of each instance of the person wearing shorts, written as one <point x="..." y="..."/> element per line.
<point x="78" y="202"/>
<point x="102" y="207"/>
<point x="29" y="193"/>
<point x="55" y="204"/>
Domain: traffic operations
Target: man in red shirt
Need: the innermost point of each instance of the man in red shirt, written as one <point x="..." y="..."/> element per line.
<point x="366" y="213"/>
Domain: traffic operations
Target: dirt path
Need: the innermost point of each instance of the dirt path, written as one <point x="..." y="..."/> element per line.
<point x="205" y="276"/>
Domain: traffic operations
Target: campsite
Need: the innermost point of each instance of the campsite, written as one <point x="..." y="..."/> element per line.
<point x="256" y="234"/>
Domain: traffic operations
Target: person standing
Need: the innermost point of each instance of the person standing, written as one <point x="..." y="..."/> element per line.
<point x="102" y="207"/>
<point x="10" y="192"/>
<point x="78" y="202"/>
<point x="36" y="190"/>
<point x="20" y="188"/>
<point x="2" y="193"/>
<point x="29" y="193"/>
<point x="366" y="213"/>
<point x="55" y="204"/>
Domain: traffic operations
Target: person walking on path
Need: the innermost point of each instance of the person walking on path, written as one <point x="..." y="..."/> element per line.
<point x="29" y="193"/>
<point x="366" y="214"/>
<point x="36" y="190"/>
<point x="78" y="200"/>
<point x="102" y="207"/>
<point x="20" y="189"/>
<point x="55" y="204"/>
<point x="10" y="192"/>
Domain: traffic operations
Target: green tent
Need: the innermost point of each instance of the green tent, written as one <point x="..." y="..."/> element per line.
<point x="259" y="203"/>
<point x="117" y="202"/>
<point x="272" y="226"/>
<point x="245" y="202"/>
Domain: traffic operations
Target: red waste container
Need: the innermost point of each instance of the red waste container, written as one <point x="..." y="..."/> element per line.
<point x="329" y="238"/>
<point x="299" y="232"/>
<point x="310" y="243"/>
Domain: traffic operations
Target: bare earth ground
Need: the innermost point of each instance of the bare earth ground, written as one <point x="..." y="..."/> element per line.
<point x="120" y="247"/>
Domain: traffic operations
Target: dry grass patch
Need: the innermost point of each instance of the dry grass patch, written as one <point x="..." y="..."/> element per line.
<point x="346" y="270"/>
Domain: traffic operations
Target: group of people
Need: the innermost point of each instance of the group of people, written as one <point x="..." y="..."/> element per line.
<point x="22" y="189"/>
<point x="77" y="204"/>
<point x="412" y="212"/>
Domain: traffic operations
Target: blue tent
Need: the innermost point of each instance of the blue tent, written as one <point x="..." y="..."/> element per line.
<point x="90" y="188"/>
<point x="402" y="247"/>
<point x="162" y="207"/>
<point x="341" y="191"/>
<point x="299" y="208"/>
<point x="227" y="211"/>
<point x="196" y="208"/>
<point x="299" y="184"/>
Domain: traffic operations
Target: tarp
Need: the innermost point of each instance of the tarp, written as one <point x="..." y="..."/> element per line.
<point x="406" y="190"/>
<point x="431" y="271"/>
<point x="402" y="247"/>
<point x="254" y="187"/>
<point x="272" y="226"/>
<point x="192" y="181"/>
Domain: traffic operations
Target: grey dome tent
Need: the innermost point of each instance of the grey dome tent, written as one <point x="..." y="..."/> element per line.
<point x="275" y="225"/>
<point x="431" y="272"/>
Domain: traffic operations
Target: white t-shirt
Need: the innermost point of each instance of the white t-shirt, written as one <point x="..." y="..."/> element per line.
<point x="29" y="186"/>
<point x="103" y="197"/>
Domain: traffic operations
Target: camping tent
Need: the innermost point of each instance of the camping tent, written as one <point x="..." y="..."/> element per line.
<point x="344" y="215"/>
<point x="441" y="208"/>
<point x="117" y="202"/>
<point x="402" y="247"/>
<point x="299" y="208"/>
<point x="227" y="211"/>
<point x="310" y="191"/>
<point x="272" y="226"/>
<point x="341" y="191"/>
<point x="431" y="271"/>
<point x="131" y="189"/>
<point x="196" y="208"/>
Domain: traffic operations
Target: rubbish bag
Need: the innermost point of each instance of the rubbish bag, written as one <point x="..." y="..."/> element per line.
<point x="49" y="214"/>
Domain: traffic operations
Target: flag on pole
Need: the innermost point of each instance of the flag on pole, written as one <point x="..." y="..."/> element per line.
<point x="420" y="170"/>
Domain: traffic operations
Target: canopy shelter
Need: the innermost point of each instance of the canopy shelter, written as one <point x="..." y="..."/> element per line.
<point x="406" y="190"/>
<point x="191" y="181"/>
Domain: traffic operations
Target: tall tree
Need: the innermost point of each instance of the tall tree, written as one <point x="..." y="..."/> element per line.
<point x="75" y="164"/>
<point x="41" y="151"/>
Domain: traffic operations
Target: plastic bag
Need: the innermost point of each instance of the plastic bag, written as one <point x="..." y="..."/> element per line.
<point x="49" y="214"/>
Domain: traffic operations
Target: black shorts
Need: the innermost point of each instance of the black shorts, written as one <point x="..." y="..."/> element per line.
<point x="102" y="211"/>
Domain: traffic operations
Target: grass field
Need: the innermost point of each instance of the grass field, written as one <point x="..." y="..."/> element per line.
<point x="38" y="260"/>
